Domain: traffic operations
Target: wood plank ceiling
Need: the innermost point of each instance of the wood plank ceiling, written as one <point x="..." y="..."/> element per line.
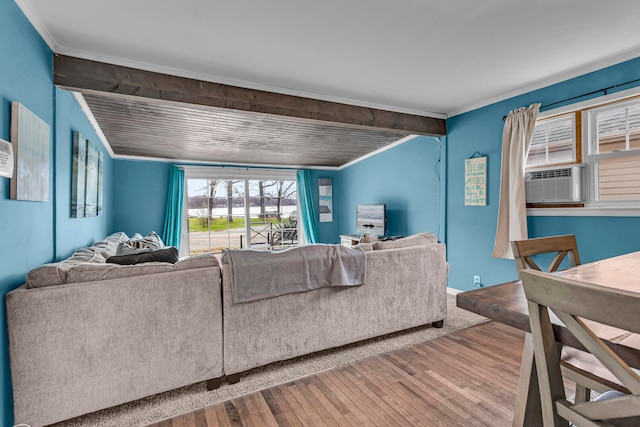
<point x="155" y="115"/>
<point x="169" y="130"/>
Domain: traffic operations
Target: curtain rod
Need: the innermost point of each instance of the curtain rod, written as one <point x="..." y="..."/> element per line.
<point x="545" y="107"/>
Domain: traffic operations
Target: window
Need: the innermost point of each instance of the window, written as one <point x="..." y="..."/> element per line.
<point x="603" y="136"/>
<point x="239" y="208"/>
<point x="553" y="141"/>
<point x="614" y="152"/>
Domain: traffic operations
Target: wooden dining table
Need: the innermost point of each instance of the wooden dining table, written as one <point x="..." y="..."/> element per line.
<point x="506" y="303"/>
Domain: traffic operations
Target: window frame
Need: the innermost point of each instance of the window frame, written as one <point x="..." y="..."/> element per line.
<point x="576" y="152"/>
<point x="246" y="174"/>
<point x="592" y="157"/>
<point x="591" y="206"/>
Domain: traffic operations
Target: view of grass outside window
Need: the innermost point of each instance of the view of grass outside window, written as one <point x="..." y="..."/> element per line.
<point x="241" y="213"/>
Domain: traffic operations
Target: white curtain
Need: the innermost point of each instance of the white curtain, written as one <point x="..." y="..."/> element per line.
<point x="512" y="214"/>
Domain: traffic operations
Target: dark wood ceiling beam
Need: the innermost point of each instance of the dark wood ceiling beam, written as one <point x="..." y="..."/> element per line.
<point x="85" y="75"/>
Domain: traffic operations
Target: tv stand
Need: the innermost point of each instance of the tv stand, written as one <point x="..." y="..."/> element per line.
<point x="350" y="240"/>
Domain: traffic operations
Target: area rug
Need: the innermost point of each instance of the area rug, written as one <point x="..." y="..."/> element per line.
<point x="190" y="398"/>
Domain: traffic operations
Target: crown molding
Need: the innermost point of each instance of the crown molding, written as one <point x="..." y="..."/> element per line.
<point x="37" y="22"/>
<point x="380" y="150"/>
<point x="94" y="123"/>
<point x="39" y="25"/>
<point x="186" y="162"/>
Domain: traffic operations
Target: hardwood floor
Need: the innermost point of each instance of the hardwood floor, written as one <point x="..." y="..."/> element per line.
<point x="468" y="378"/>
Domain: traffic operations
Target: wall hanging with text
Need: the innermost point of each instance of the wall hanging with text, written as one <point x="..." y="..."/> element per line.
<point x="475" y="181"/>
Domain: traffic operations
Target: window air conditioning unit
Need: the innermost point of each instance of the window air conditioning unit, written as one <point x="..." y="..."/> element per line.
<point x="554" y="185"/>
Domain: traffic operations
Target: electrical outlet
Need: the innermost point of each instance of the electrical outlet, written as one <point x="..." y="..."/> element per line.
<point x="476" y="281"/>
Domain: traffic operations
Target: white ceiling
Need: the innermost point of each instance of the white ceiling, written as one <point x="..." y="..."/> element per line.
<point x="427" y="57"/>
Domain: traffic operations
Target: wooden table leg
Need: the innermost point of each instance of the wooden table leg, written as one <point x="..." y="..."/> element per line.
<point x="528" y="410"/>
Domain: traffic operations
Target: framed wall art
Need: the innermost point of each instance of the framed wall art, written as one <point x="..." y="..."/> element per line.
<point x="78" y="175"/>
<point x="475" y="181"/>
<point x="325" y="203"/>
<point x="30" y="138"/>
<point x="91" y="188"/>
<point x="87" y="180"/>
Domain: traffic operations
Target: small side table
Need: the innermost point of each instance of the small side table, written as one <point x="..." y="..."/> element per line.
<point x="349" y="240"/>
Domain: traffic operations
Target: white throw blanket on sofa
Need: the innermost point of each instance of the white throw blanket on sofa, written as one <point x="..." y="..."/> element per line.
<point x="262" y="274"/>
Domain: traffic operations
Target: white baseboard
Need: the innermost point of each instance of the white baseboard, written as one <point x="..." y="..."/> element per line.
<point x="452" y="291"/>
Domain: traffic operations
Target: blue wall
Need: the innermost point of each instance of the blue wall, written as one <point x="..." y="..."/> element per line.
<point x="26" y="227"/>
<point x="328" y="232"/>
<point x="471" y="230"/>
<point x="25" y="77"/>
<point x="74" y="233"/>
<point x="140" y="193"/>
<point x="405" y="178"/>
<point x="597" y="237"/>
<point x="34" y="233"/>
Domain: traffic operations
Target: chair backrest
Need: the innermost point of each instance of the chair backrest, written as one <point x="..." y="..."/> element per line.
<point x="563" y="246"/>
<point x="572" y="301"/>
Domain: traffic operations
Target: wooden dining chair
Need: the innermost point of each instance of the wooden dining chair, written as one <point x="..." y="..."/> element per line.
<point x="573" y="302"/>
<point x="564" y="247"/>
<point x="579" y="367"/>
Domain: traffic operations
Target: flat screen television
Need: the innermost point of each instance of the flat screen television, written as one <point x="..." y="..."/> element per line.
<point x="371" y="219"/>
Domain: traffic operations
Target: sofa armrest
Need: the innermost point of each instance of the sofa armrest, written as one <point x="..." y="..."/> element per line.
<point x="81" y="347"/>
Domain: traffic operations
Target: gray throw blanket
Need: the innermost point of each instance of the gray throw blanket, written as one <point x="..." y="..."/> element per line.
<point x="262" y="274"/>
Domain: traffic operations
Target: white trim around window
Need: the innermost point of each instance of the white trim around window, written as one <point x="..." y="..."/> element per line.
<point x="592" y="206"/>
<point x="195" y="172"/>
<point x="244" y="174"/>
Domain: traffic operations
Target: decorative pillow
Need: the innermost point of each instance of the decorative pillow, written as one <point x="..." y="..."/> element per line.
<point x="56" y="273"/>
<point x="117" y="237"/>
<point x="151" y="241"/>
<point x="198" y="261"/>
<point x="415" y="240"/>
<point x="126" y="249"/>
<point x="138" y="243"/>
<point x="169" y="254"/>
<point x="369" y="238"/>
<point x="109" y="245"/>
<point x="364" y="246"/>
<point x="85" y="255"/>
<point x="96" y="272"/>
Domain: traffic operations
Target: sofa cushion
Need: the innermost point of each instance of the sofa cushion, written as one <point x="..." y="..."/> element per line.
<point x="169" y="255"/>
<point x="367" y="246"/>
<point x="126" y="249"/>
<point x="56" y="273"/>
<point x="197" y="261"/>
<point x="152" y="241"/>
<point x="109" y="245"/>
<point x="85" y="264"/>
<point x="139" y="244"/>
<point x="97" y="272"/>
<point x="415" y="240"/>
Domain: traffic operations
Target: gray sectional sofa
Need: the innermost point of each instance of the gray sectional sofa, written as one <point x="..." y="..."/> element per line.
<point x="404" y="287"/>
<point x="86" y="335"/>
